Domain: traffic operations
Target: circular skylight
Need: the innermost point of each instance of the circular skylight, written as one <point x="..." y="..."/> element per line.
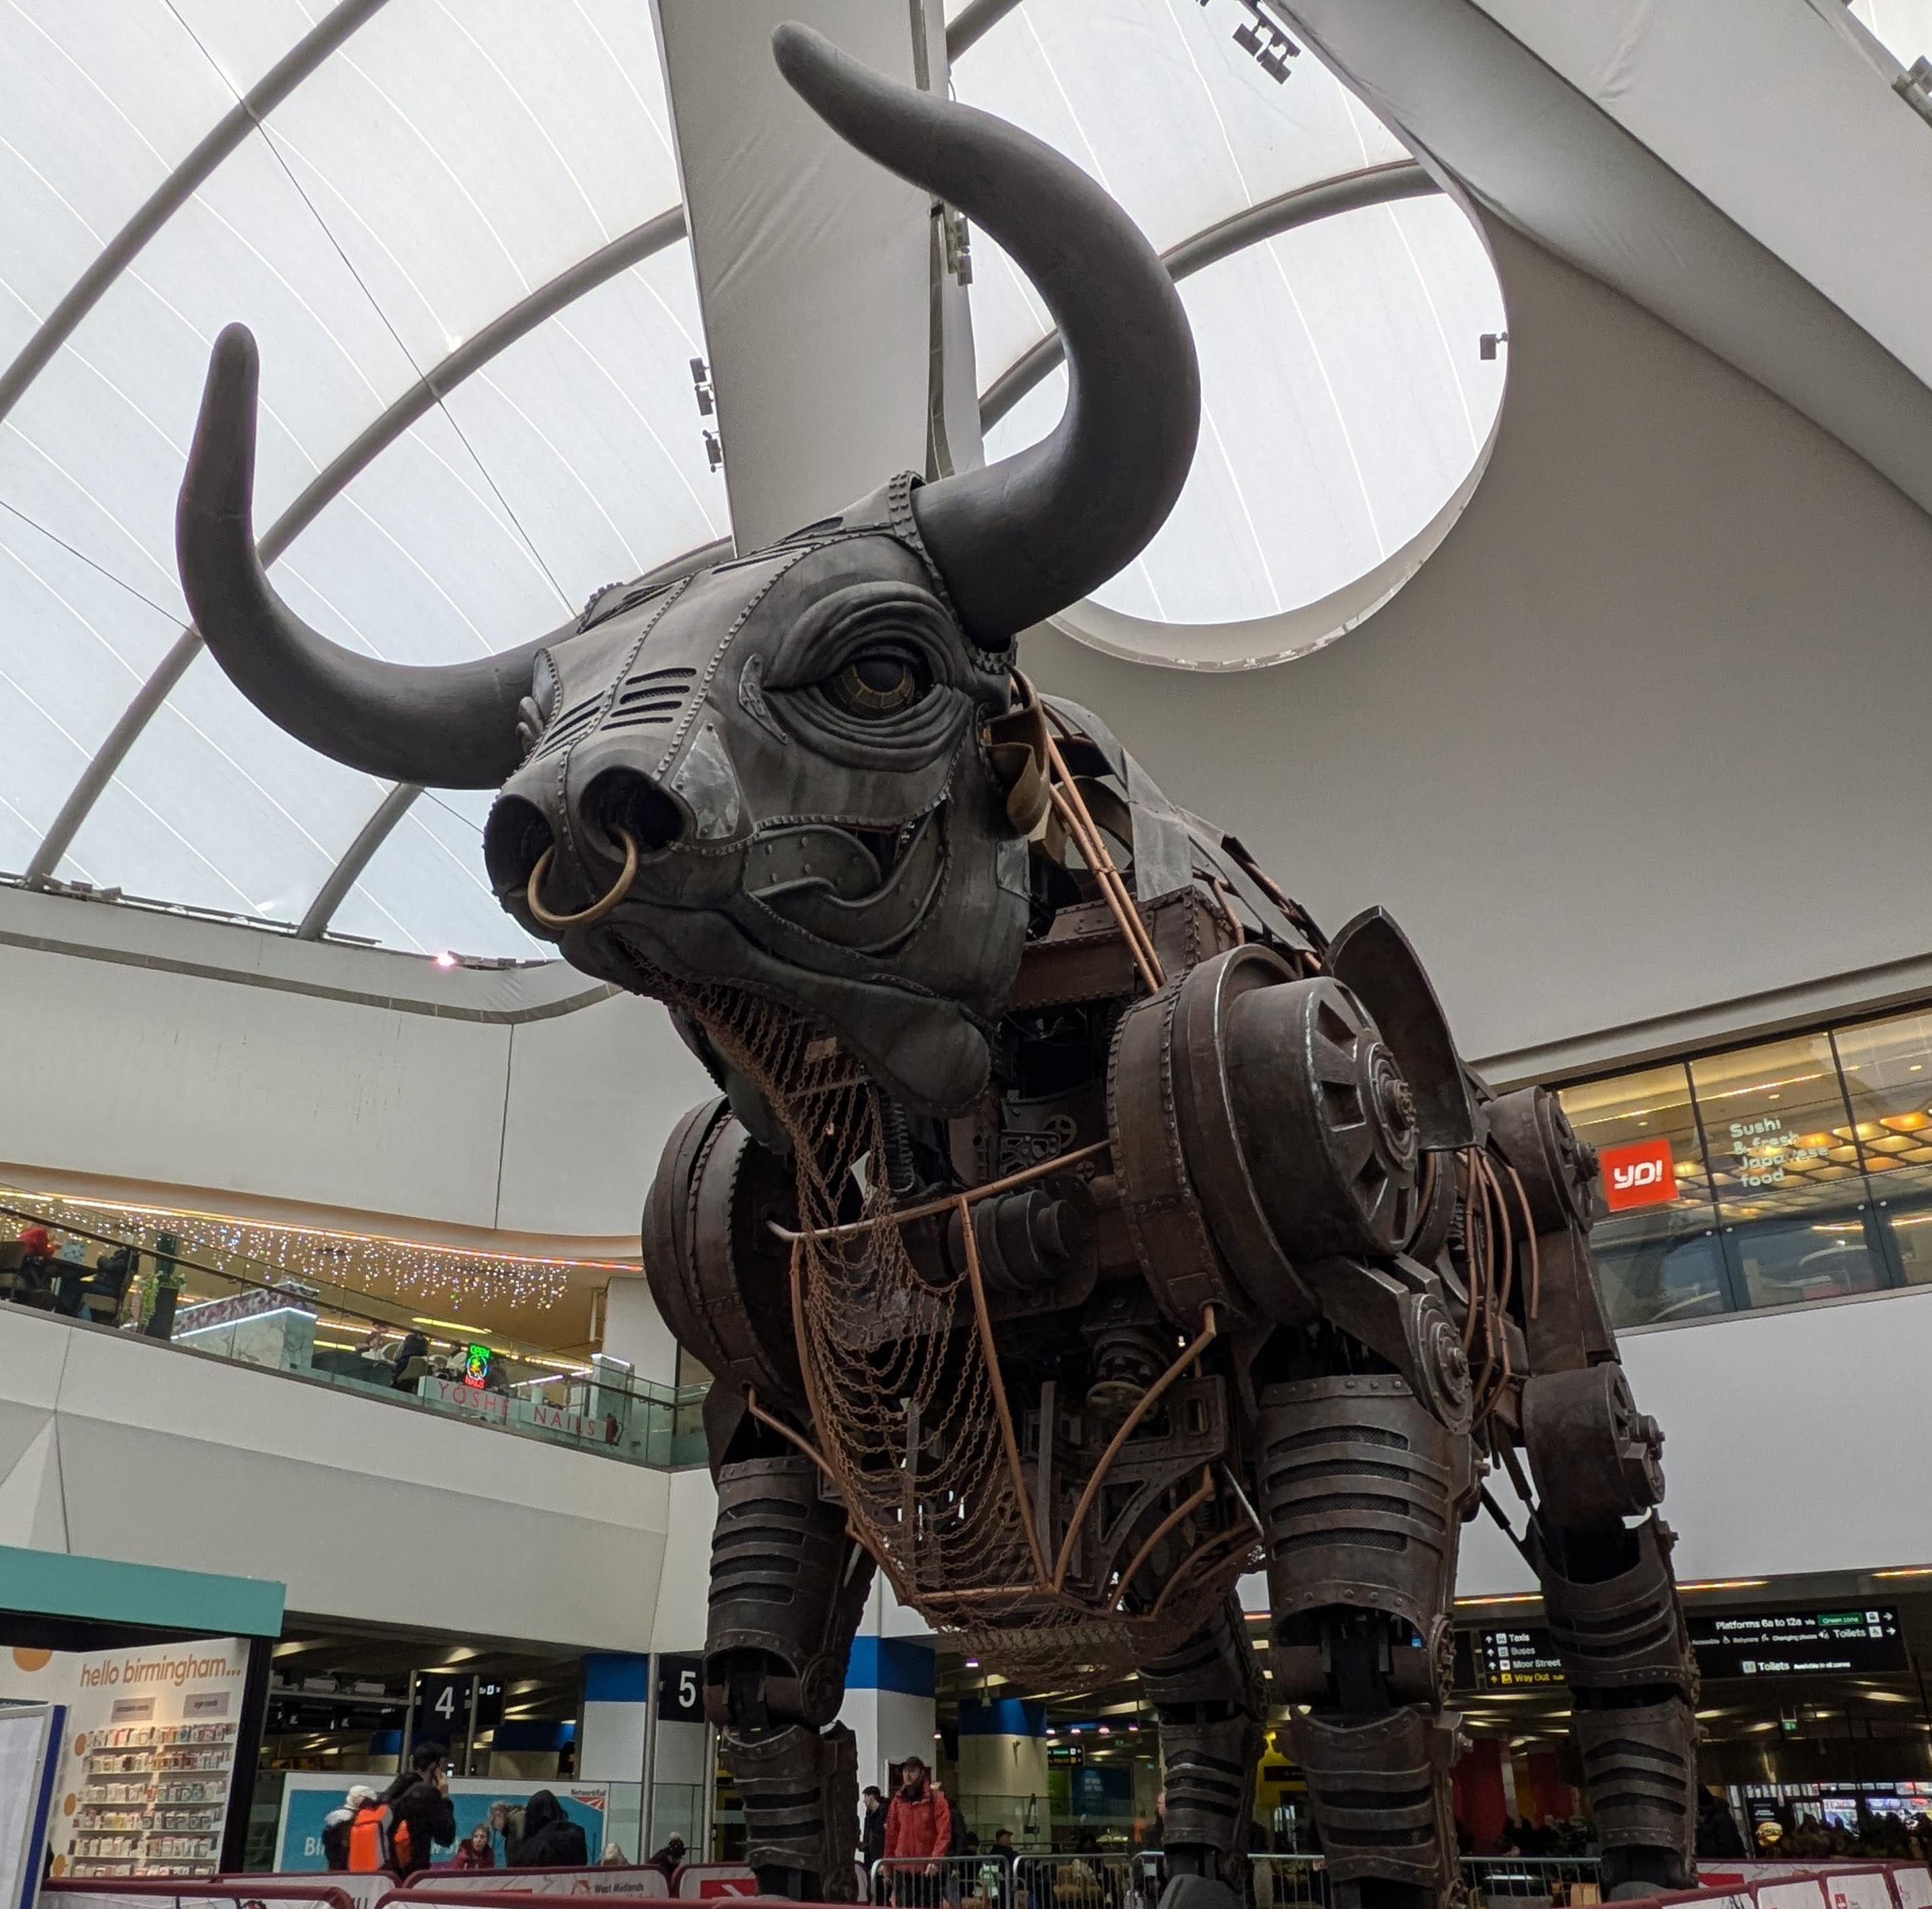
<point x="1347" y="402"/>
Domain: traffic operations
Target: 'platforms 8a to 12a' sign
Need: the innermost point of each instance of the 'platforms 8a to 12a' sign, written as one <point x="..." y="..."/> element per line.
<point x="1640" y="1174"/>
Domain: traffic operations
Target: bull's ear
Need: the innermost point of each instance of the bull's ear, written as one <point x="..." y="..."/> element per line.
<point x="1016" y="747"/>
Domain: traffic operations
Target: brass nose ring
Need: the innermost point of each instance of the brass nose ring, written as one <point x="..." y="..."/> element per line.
<point x="597" y="910"/>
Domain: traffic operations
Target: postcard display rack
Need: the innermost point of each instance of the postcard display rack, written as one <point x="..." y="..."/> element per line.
<point x="152" y="1800"/>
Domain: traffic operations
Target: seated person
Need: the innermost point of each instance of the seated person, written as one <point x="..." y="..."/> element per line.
<point x="415" y="1345"/>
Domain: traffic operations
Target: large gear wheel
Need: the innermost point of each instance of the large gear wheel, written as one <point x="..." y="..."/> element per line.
<point x="1327" y="1121"/>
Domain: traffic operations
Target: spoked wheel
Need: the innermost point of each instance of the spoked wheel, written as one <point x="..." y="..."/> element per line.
<point x="1327" y="1122"/>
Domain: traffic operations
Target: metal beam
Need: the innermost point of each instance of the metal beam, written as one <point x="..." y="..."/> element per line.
<point x="396" y="804"/>
<point x="654" y="235"/>
<point x="1348" y="192"/>
<point x="972" y="23"/>
<point x="348" y="871"/>
<point x="180" y="185"/>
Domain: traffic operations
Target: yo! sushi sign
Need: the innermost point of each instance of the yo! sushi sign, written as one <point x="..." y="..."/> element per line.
<point x="1642" y="1174"/>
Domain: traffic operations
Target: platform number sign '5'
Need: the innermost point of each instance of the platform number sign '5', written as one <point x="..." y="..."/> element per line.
<point x="681" y="1689"/>
<point x="1640" y="1174"/>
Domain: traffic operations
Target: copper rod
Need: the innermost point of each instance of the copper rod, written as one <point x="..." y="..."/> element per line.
<point x="1476" y="1274"/>
<point x="852" y="1227"/>
<point x="1202" y="1549"/>
<point x="1142" y="1407"/>
<point x="1079" y="825"/>
<point x="1506" y="1451"/>
<point x="1008" y="1438"/>
<point x="1535" y="1257"/>
<point x="1078" y="819"/>
<point x="784" y="1431"/>
<point x="1203" y="1492"/>
<point x="819" y="1459"/>
<point x="1072" y="805"/>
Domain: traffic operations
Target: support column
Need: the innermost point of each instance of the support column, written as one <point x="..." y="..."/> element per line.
<point x="835" y="317"/>
<point x="614" y="1746"/>
<point x="1003" y="1767"/>
<point x="889" y="1703"/>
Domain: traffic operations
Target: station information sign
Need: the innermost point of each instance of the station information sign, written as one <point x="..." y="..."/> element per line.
<point x="1520" y="1659"/>
<point x="1728" y="1643"/>
<point x="1781" y="1644"/>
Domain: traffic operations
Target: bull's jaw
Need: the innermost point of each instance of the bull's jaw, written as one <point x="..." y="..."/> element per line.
<point x="925" y="1051"/>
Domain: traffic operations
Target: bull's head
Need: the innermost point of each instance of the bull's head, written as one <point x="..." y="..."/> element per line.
<point x="787" y="768"/>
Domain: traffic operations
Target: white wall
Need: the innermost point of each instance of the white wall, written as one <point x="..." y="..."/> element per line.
<point x="267" y="1073"/>
<point x="113" y="1447"/>
<point x="1607" y="757"/>
<point x="1793" y="1442"/>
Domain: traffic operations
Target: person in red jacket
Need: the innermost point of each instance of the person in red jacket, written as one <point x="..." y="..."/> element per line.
<point x="918" y="1823"/>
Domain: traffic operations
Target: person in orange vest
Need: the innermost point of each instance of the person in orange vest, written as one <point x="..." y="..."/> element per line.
<point x="919" y="1822"/>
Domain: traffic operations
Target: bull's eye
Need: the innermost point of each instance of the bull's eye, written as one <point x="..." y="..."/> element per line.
<point x="881" y="682"/>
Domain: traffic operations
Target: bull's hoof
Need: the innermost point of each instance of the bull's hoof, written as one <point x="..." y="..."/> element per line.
<point x="1197" y="1892"/>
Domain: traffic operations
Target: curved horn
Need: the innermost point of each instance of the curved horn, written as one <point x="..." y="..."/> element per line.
<point x="453" y="727"/>
<point x="1038" y="530"/>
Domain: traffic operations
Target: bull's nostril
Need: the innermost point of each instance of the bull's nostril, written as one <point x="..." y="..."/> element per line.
<point x="514" y="839"/>
<point x="626" y="800"/>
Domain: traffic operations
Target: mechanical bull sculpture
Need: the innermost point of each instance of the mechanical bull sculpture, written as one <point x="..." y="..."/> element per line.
<point x="1078" y="1227"/>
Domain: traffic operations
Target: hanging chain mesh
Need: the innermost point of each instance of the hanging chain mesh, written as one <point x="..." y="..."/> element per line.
<point x="904" y="1403"/>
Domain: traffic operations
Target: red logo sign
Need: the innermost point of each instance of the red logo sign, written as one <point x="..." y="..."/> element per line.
<point x="1642" y="1174"/>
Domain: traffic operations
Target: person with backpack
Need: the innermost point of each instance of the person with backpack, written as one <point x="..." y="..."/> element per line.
<point x="550" y="1840"/>
<point x="398" y="1830"/>
<point x="335" y="1825"/>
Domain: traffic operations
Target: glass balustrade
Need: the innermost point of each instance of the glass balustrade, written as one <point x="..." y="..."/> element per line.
<point x="144" y="1281"/>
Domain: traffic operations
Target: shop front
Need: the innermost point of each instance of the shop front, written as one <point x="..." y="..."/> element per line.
<point x="157" y="1678"/>
<point x="1792" y="1170"/>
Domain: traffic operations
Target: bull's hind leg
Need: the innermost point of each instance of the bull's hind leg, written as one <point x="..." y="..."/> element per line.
<point x="1610" y="1599"/>
<point x="1363" y="1493"/>
<point x="787" y="1586"/>
<point x="1208" y="1699"/>
<point x="1612" y="1611"/>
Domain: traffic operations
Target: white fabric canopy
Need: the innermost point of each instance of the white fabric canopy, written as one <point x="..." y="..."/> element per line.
<point x="447" y="159"/>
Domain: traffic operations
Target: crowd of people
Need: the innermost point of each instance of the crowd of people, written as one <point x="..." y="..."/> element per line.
<point x="933" y="1860"/>
<point x="1881" y="1835"/>
<point x="395" y="1832"/>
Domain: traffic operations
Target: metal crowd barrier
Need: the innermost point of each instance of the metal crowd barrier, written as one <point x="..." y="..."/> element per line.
<point x="1493" y="1882"/>
<point x="1088" y="1879"/>
<point x="944" y="1882"/>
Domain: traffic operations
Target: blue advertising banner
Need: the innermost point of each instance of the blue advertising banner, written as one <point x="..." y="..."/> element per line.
<point x="309" y="1796"/>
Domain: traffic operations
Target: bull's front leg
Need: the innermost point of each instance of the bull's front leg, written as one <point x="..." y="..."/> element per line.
<point x="1208" y="1698"/>
<point x="1362" y="1494"/>
<point x="787" y="1583"/>
<point x="787" y="1586"/>
<point x="1609" y="1597"/>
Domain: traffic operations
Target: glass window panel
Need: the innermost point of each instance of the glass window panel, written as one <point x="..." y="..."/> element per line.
<point x="426" y="888"/>
<point x="1659" y="1261"/>
<point x="1888" y="1070"/>
<point x="1904" y="26"/>
<point x="1785" y="1170"/>
<point x="1355" y="423"/>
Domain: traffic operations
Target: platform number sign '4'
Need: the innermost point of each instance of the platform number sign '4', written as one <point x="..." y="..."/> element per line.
<point x="681" y="1689"/>
<point x="441" y="1712"/>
